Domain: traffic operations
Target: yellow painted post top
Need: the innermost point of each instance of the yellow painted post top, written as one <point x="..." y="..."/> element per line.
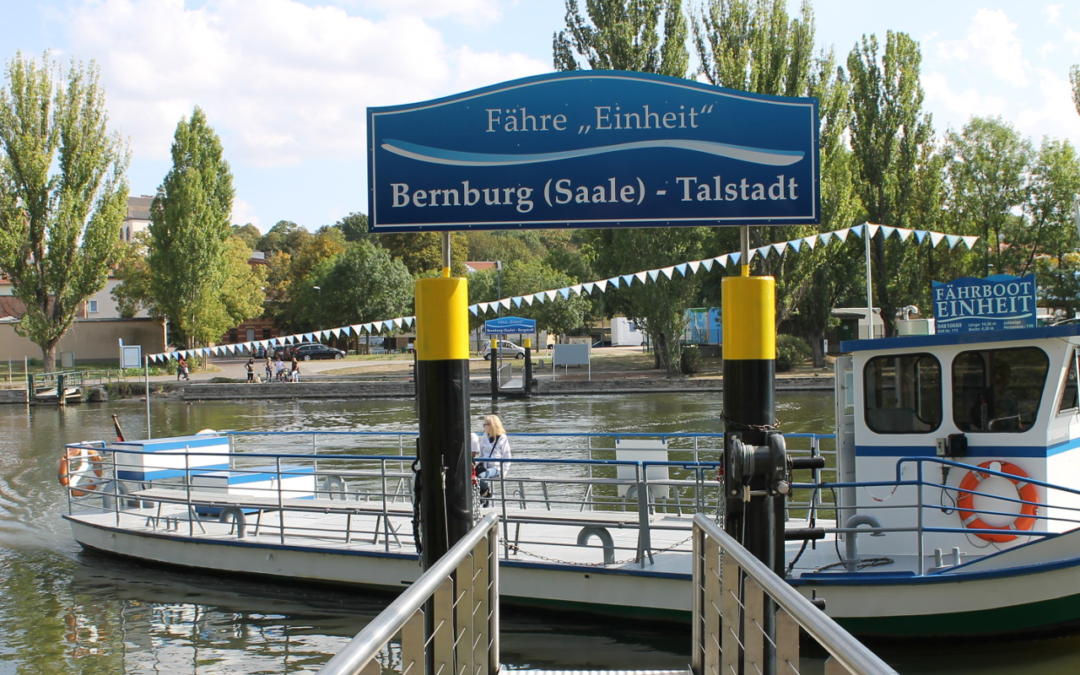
<point x="494" y="343"/>
<point x="749" y="318"/>
<point x="442" y="319"/>
<point x="528" y="343"/>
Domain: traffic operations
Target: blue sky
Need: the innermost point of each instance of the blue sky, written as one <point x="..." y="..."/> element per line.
<point x="286" y="83"/>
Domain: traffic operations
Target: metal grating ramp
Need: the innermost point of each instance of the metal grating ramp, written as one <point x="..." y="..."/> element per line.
<point x="598" y="672"/>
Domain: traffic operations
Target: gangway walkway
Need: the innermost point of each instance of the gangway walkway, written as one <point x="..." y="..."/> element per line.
<point x="731" y="589"/>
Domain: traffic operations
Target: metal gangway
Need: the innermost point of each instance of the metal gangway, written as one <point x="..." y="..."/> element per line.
<point x="447" y="623"/>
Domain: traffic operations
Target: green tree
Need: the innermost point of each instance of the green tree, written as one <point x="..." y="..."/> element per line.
<point x="133" y="293"/>
<point x="659" y="306"/>
<point x="828" y="275"/>
<point x="556" y="316"/>
<point x="898" y="174"/>
<point x="753" y="45"/>
<point x="421" y="252"/>
<point x="361" y="284"/>
<point x="1050" y="239"/>
<point x="988" y="165"/>
<point x="59" y="232"/>
<point x="647" y="36"/>
<point x="354" y="226"/>
<point x="189" y="254"/>
<point x="284" y="237"/>
<point x="294" y="302"/>
<point x="249" y="234"/>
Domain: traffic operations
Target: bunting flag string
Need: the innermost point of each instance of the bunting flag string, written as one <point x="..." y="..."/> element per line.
<point x="602" y="285"/>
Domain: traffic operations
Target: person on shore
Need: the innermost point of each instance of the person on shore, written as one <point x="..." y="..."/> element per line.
<point x="279" y="369"/>
<point x="494" y="445"/>
<point x="182" y="369"/>
<point x="250" y="368"/>
<point x="294" y="371"/>
<point x="269" y="368"/>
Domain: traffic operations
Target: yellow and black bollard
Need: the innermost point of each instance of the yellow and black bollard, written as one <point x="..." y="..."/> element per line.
<point x="749" y="306"/>
<point x="442" y="386"/>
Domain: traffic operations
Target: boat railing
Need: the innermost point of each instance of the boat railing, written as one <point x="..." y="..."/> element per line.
<point x="747" y="619"/>
<point x="457" y="599"/>
<point x="974" y="508"/>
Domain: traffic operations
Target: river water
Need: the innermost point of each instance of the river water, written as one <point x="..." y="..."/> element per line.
<point x="66" y="611"/>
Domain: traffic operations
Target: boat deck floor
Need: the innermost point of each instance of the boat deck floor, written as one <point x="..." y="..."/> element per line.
<point x="533" y="536"/>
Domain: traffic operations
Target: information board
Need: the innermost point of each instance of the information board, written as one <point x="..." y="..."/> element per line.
<point x="593" y="149"/>
<point x="509" y="324"/>
<point x="998" y="302"/>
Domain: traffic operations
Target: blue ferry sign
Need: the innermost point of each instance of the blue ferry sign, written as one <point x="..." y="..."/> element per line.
<point x="998" y="302"/>
<point x="593" y="149"/>
<point x="509" y="324"/>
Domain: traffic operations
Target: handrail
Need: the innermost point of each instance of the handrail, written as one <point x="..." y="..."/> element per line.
<point x="366" y="644"/>
<point x="848" y="652"/>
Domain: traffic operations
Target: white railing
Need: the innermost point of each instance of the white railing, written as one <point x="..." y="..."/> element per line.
<point x="446" y="623"/>
<point x="747" y="619"/>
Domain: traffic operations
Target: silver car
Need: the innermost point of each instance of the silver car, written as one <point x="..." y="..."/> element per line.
<point x="507" y="350"/>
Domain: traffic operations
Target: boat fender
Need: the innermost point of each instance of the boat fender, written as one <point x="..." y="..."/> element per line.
<point x="603" y="535"/>
<point x="80" y="467"/>
<point x="1025" y="520"/>
<point x="237" y="516"/>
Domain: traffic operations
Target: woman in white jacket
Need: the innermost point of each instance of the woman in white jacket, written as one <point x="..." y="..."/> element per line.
<point x="493" y="446"/>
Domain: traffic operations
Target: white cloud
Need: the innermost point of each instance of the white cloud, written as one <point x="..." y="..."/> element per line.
<point x="1055" y="115"/>
<point x="474" y="12"/>
<point x="1053" y="13"/>
<point x="476" y="69"/>
<point x="956" y="107"/>
<point x="243" y="213"/>
<point x="991" y="41"/>
<point x="281" y="82"/>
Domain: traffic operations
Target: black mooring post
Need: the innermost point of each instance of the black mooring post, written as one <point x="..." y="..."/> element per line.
<point x="442" y="386"/>
<point x="528" y="367"/>
<point x="493" y="356"/>
<point x="754" y="515"/>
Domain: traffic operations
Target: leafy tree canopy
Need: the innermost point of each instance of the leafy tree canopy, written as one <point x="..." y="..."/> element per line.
<point x="62" y="194"/>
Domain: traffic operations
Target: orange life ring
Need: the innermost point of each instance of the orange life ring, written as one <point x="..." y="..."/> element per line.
<point x="87" y="468"/>
<point x="1024" y="521"/>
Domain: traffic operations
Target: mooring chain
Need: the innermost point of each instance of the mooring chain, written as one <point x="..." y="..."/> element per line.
<point x="518" y="549"/>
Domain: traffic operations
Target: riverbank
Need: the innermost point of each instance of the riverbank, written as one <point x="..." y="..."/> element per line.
<point x="613" y="370"/>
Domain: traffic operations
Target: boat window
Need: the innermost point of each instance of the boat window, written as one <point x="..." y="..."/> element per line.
<point x="1068" y="403"/>
<point x="903" y="394"/>
<point x="998" y="389"/>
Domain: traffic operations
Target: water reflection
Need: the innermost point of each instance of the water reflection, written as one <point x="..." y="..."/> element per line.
<point x="64" y="611"/>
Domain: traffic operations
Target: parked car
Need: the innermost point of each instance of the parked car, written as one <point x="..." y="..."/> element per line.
<point x="309" y="351"/>
<point x="507" y="349"/>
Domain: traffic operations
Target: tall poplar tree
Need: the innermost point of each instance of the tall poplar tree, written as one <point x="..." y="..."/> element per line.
<point x="62" y="194"/>
<point x="755" y="46"/>
<point x="647" y="36"/>
<point x="898" y="172"/>
<point x="189" y="226"/>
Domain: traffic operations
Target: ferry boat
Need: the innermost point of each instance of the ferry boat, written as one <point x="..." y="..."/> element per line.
<point x="950" y="500"/>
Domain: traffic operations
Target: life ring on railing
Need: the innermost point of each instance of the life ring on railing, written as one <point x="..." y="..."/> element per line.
<point x="1024" y="521"/>
<point x="80" y="466"/>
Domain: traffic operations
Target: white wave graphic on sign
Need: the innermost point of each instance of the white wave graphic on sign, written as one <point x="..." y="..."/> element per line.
<point x="423" y="153"/>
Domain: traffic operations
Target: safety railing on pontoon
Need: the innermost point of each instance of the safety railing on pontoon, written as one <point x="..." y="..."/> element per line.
<point x="927" y="501"/>
<point x="457" y="599"/>
<point x="255" y="486"/>
<point x="748" y="620"/>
